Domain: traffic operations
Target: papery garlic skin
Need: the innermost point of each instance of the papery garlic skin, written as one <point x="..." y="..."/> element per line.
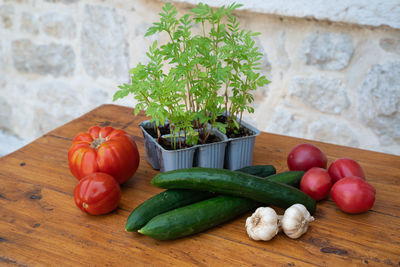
<point x="263" y="224"/>
<point x="295" y="221"/>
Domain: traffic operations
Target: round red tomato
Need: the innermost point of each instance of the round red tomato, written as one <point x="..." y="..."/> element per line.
<point x="97" y="193"/>
<point x="305" y="156"/>
<point x="344" y="167"/>
<point x="316" y="183"/>
<point x="105" y="150"/>
<point x="353" y="195"/>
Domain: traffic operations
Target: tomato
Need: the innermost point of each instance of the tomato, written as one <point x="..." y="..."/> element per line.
<point x="97" y="193"/>
<point x="353" y="195"/>
<point x="343" y="167"/>
<point x="316" y="183"/>
<point x="105" y="150"/>
<point x="305" y="156"/>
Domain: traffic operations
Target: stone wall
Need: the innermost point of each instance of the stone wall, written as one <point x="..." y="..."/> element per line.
<point x="331" y="81"/>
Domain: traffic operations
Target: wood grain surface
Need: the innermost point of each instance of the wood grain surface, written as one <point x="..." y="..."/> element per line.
<point x="41" y="226"/>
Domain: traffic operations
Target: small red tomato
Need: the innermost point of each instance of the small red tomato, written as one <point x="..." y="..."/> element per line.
<point x="316" y="183"/>
<point x="305" y="156"/>
<point x="353" y="195"/>
<point x="97" y="193"/>
<point x="344" y="167"/>
<point x="105" y="150"/>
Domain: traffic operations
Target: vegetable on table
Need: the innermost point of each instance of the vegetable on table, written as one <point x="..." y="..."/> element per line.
<point x="175" y="198"/>
<point x="295" y="221"/>
<point x="239" y="203"/>
<point x="353" y="195"/>
<point x="97" y="193"/>
<point x="196" y="217"/>
<point x="263" y="224"/>
<point x="106" y="150"/>
<point x="305" y="156"/>
<point x="258" y="170"/>
<point x="163" y="202"/>
<point x="344" y="167"/>
<point x="234" y="183"/>
<point x="291" y="178"/>
<point x="316" y="183"/>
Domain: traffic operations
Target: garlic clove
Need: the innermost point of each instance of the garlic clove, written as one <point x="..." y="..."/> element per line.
<point x="263" y="224"/>
<point x="295" y="221"/>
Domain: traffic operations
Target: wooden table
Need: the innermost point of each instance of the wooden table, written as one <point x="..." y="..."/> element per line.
<point x="40" y="224"/>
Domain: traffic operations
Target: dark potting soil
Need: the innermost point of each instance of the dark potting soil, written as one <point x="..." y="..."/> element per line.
<point x="166" y="144"/>
<point x="163" y="130"/>
<point x="235" y="133"/>
<point x="213" y="139"/>
<point x="241" y="132"/>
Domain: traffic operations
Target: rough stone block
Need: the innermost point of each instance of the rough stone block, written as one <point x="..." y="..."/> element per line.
<point x="6" y="17"/>
<point x="29" y="23"/>
<point x="287" y="123"/>
<point x="379" y="102"/>
<point x="326" y="95"/>
<point x="50" y="59"/>
<point x="49" y="115"/>
<point x="58" y="25"/>
<point x="17" y="106"/>
<point x="332" y="131"/>
<point x="104" y="45"/>
<point x="328" y="51"/>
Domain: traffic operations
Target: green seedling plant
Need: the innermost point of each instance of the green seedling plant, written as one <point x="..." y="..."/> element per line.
<point x="209" y="73"/>
<point x="244" y="57"/>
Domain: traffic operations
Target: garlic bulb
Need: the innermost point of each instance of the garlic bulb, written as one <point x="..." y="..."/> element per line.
<point x="263" y="224"/>
<point x="295" y="221"/>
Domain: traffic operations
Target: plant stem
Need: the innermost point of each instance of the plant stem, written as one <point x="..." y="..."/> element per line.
<point x="226" y="94"/>
<point x="179" y="140"/>
<point x="208" y="134"/>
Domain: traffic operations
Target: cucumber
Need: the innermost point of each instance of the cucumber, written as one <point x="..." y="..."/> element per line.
<point x="160" y="203"/>
<point x="196" y="217"/>
<point x="203" y="215"/>
<point x="234" y="183"/>
<point x="291" y="178"/>
<point x="171" y="199"/>
<point x="258" y="170"/>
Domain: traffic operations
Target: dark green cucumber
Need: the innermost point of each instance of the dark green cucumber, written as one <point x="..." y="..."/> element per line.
<point x="291" y="178"/>
<point x="171" y="199"/>
<point x="172" y="225"/>
<point x="162" y="202"/>
<point x="258" y="170"/>
<point x="196" y="217"/>
<point x="235" y="183"/>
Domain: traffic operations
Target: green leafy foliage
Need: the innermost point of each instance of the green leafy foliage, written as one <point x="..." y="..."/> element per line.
<point x="222" y="58"/>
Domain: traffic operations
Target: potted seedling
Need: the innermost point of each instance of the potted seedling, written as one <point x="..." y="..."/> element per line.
<point x="192" y="82"/>
<point x="244" y="57"/>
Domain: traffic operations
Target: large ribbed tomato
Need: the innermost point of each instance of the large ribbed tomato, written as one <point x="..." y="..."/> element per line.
<point x="106" y="150"/>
